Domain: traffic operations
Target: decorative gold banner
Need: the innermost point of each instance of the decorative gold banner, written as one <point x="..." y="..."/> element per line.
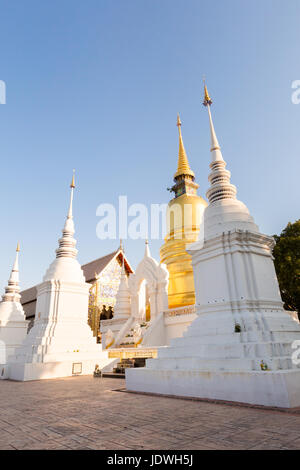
<point x="123" y="353"/>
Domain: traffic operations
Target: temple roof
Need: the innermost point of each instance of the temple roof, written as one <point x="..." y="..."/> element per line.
<point x="90" y="270"/>
<point x="96" y="267"/>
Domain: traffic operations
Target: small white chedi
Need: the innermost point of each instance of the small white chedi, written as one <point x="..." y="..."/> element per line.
<point x="122" y="306"/>
<point x="241" y="345"/>
<point x="13" y="325"/>
<point x="148" y="286"/>
<point x="152" y="277"/>
<point x="60" y="343"/>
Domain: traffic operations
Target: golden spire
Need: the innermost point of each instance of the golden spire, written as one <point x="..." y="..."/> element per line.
<point x="207" y="99"/>
<point x="72" y="185"/>
<point x="183" y="167"/>
<point x="18" y="247"/>
<point x="178" y="123"/>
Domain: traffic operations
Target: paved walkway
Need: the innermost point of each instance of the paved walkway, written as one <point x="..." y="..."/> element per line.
<point x="88" y="413"/>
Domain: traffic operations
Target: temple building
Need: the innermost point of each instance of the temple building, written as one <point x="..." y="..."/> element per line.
<point x="104" y="275"/>
<point x="183" y="222"/>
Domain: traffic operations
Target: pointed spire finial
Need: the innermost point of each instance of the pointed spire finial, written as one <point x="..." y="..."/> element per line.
<point x="72" y="185"/>
<point x="215" y="147"/>
<point x="207" y="99"/>
<point x="147" y="249"/>
<point x="18" y="247"/>
<point x="183" y="167"/>
<point x="219" y="178"/>
<point x="67" y="243"/>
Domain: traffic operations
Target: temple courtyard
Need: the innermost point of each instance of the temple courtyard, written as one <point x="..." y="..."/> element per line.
<point x="89" y="413"/>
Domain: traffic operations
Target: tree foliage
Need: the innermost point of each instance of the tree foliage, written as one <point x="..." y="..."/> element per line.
<point x="287" y="264"/>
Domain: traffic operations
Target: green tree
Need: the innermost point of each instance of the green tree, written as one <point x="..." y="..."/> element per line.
<point x="287" y="264"/>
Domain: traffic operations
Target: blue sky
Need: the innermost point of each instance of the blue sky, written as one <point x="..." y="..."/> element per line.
<point x="96" y="86"/>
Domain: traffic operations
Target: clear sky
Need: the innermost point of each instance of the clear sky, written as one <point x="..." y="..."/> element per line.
<point x="96" y="86"/>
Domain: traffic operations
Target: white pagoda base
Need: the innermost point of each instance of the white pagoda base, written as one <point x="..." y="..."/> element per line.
<point x="213" y="361"/>
<point x="268" y="388"/>
<point x="240" y="329"/>
<point x="12" y="334"/>
<point x="13" y="324"/>
<point x="12" y="330"/>
<point x="53" y="370"/>
<point x="61" y="343"/>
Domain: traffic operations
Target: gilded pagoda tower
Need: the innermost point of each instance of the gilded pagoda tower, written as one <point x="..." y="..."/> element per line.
<point x="183" y="226"/>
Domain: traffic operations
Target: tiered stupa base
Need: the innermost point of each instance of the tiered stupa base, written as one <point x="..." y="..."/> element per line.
<point x="53" y="370"/>
<point x="276" y="389"/>
<point x="47" y="357"/>
<point x="226" y="365"/>
<point x="59" y="364"/>
<point x="11" y="336"/>
<point x="60" y="343"/>
<point x="13" y="330"/>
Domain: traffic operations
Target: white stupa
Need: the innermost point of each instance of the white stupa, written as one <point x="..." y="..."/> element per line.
<point x="242" y="346"/>
<point x="60" y="343"/>
<point x="13" y="324"/>
<point x="122" y="307"/>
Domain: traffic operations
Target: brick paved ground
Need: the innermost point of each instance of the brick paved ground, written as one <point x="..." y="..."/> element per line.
<point x="88" y="413"/>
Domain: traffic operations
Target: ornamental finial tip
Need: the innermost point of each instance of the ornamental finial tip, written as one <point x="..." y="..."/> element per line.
<point x="18" y="247"/>
<point x="207" y="99"/>
<point x="178" y="120"/>
<point x="72" y="185"/>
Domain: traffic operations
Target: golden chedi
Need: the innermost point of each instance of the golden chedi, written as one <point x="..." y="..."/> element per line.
<point x="183" y="226"/>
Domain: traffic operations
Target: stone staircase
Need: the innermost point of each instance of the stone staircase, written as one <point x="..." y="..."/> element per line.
<point x="119" y="369"/>
<point x="122" y="365"/>
<point x="128" y="340"/>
